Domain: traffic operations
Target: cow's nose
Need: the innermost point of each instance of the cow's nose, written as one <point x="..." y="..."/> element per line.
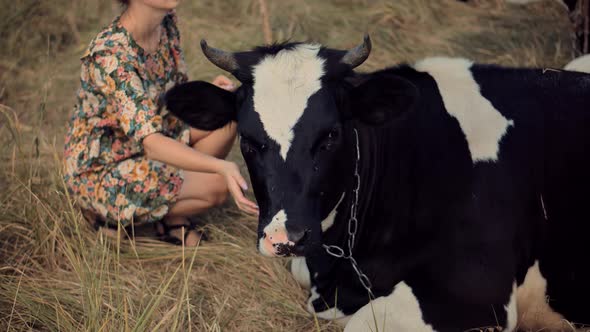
<point x="297" y="236"/>
<point x="274" y="242"/>
<point x="276" y="236"/>
<point x="280" y="242"/>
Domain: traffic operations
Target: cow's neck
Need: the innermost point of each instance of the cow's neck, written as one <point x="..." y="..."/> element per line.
<point x="386" y="172"/>
<point x="385" y="233"/>
<point x="386" y="195"/>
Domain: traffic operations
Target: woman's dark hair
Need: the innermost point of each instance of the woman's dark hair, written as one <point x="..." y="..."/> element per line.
<point x="123" y="2"/>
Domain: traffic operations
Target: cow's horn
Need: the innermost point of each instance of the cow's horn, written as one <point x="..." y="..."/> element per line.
<point x="356" y="56"/>
<point x="222" y="59"/>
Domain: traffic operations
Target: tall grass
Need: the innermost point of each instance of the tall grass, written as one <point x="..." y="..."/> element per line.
<point x="57" y="274"/>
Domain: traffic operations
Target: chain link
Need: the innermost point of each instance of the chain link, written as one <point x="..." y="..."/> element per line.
<point x="338" y="252"/>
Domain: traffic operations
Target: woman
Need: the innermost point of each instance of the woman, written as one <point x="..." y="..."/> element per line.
<point x="127" y="160"/>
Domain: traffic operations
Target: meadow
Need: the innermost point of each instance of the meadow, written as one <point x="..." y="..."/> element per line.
<point x="58" y="274"/>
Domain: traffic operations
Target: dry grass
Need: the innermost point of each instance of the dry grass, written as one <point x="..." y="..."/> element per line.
<point x="57" y="274"/>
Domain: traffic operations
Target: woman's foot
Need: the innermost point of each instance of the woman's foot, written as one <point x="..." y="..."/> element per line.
<point x="177" y="229"/>
<point x="98" y="225"/>
<point x="171" y="229"/>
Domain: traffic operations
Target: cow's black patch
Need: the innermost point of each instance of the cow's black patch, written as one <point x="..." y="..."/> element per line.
<point x="382" y="98"/>
<point x="549" y="152"/>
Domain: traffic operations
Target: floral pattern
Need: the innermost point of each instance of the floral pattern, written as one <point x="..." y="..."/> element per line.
<point x="105" y="168"/>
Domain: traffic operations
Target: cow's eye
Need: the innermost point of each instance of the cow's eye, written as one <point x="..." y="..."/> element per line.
<point x="250" y="146"/>
<point x="326" y="141"/>
<point x="246" y="144"/>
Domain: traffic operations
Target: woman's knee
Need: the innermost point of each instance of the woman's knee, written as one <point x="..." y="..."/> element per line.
<point x="197" y="134"/>
<point x="231" y="128"/>
<point x="229" y="131"/>
<point x="218" y="194"/>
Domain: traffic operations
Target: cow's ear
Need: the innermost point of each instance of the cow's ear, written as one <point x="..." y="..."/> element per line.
<point x="201" y="105"/>
<point x="382" y="99"/>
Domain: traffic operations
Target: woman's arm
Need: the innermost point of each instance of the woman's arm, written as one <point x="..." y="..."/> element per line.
<point x="167" y="150"/>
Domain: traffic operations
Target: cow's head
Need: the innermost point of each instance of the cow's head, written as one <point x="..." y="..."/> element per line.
<point x="295" y="110"/>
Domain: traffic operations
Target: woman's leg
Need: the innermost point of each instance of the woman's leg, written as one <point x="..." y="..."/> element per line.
<point x="216" y="143"/>
<point x="199" y="192"/>
<point x="202" y="191"/>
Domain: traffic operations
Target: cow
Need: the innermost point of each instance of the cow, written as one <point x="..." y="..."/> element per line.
<point x="438" y="196"/>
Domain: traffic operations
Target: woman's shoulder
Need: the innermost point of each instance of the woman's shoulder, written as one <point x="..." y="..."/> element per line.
<point x="111" y="40"/>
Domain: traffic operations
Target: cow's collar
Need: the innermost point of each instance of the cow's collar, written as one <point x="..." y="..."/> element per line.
<point x="338" y="252"/>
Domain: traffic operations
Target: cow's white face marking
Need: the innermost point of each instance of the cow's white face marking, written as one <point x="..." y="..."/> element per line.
<point x="511" y="312"/>
<point x="534" y="313"/>
<point x="398" y="311"/>
<point x="330" y="314"/>
<point x="481" y="123"/>
<point x="329" y="221"/>
<point x="282" y="85"/>
<point x="300" y="272"/>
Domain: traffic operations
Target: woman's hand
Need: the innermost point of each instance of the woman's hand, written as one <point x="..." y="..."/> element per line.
<point x="235" y="184"/>
<point x="165" y="149"/>
<point x="224" y="83"/>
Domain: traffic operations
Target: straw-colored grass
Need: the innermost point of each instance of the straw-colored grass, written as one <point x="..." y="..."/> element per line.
<point x="57" y="274"/>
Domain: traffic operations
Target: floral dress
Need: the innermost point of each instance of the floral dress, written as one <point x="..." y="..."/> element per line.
<point x="105" y="167"/>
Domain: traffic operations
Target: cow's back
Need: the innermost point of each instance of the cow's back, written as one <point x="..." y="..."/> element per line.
<point x="523" y="186"/>
<point x="549" y="146"/>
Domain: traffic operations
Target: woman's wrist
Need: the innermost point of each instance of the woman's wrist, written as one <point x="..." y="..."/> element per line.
<point x="218" y="165"/>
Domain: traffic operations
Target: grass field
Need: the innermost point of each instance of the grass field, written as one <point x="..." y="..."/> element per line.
<point x="57" y="274"/>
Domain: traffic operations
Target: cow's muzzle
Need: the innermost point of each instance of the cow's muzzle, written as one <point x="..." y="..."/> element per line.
<point x="280" y="243"/>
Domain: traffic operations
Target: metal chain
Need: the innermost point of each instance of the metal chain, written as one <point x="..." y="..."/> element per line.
<point x="338" y="252"/>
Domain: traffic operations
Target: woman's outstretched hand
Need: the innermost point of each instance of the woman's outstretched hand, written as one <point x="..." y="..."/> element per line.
<point x="229" y="170"/>
<point x="236" y="183"/>
<point x="224" y="82"/>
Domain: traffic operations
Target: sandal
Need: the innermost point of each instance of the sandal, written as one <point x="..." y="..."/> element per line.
<point x="163" y="232"/>
<point x="100" y="225"/>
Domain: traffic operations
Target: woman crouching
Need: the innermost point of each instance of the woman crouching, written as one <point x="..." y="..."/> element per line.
<point x="126" y="159"/>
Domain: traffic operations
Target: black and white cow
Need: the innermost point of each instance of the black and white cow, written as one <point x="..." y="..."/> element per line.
<point x="473" y="204"/>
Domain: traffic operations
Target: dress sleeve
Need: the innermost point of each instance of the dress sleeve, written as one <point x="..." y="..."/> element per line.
<point x="118" y="80"/>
